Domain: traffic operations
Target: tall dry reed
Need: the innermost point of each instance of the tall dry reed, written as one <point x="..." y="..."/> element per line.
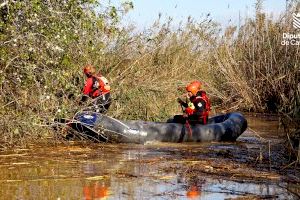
<point x="242" y="68"/>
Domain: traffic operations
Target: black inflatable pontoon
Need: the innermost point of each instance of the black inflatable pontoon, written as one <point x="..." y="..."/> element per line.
<point x="227" y="127"/>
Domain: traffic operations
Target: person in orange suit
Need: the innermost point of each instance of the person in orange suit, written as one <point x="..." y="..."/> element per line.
<point x="96" y="87"/>
<point x="197" y="111"/>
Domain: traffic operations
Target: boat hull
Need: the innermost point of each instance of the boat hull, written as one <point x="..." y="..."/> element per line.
<point x="227" y="127"/>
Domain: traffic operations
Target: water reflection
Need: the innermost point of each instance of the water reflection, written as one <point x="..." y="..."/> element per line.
<point x="122" y="172"/>
<point x="193" y="192"/>
<point x="96" y="190"/>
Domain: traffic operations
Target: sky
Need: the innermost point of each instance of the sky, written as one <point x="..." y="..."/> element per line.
<point x="226" y="12"/>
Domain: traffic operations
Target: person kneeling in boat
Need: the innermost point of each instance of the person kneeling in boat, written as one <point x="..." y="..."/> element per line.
<point x="196" y="112"/>
<point x="97" y="88"/>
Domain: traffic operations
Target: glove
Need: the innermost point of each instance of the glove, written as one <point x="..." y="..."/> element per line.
<point x="189" y="111"/>
<point x="83" y="99"/>
<point x="180" y="101"/>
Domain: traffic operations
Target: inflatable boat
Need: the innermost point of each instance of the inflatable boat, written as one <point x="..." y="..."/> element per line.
<point x="99" y="127"/>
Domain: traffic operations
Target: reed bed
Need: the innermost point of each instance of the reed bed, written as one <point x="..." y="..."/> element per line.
<point x="243" y="68"/>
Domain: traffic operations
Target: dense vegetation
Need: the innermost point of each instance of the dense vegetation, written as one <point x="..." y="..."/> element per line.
<point x="44" y="45"/>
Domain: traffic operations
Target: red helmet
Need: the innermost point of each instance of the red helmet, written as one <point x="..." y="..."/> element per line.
<point x="194" y="87"/>
<point x="89" y="69"/>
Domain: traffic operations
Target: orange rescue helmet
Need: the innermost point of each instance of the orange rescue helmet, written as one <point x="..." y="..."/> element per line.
<point x="197" y="84"/>
<point x="193" y="87"/>
<point x="89" y="69"/>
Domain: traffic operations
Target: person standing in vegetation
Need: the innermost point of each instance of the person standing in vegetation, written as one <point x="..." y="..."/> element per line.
<point x="96" y="87"/>
<point x="197" y="111"/>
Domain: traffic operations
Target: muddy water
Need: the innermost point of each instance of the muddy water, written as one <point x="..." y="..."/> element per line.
<point x="246" y="168"/>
